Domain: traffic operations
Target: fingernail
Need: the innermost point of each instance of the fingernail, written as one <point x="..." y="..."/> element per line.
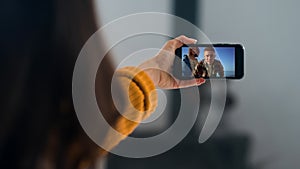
<point x="201" y="80"/>
<point x="195" y="41"/>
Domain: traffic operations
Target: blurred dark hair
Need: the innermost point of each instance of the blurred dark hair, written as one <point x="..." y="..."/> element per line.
<point x="40" y="41"/>
<point x="209" y="49"/>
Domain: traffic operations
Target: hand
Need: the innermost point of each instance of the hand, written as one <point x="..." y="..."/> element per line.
<point x="159" y="68"/>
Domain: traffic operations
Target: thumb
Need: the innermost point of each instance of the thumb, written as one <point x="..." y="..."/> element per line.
<point x="189" y="83"/>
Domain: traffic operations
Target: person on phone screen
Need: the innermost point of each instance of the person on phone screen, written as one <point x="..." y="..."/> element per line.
<point x="209" y="66"/>
<point x="190" y="61"/>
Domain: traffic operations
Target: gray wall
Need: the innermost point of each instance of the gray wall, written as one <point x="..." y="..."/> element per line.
<point x="112" y="10"/>
<point x="268" y="96"/>
<point x="122" y="53"/>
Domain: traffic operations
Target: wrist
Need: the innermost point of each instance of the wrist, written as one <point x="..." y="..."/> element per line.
<point x="152" y="73"/>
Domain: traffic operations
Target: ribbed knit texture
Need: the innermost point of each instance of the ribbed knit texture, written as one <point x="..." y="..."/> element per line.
<point x="141" y="93"/>
<point x="141" y="101"/>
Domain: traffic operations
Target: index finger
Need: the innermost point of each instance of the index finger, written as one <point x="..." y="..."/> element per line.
<point x="173" y="44"/>
<point x="181" y="40"/>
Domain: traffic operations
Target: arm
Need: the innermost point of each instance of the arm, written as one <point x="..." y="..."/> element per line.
<point x="137" y="99"/>
<point x="137" y="85"/>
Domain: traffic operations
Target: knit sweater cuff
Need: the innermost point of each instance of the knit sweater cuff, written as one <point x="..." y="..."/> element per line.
<point x="141" y="90"/>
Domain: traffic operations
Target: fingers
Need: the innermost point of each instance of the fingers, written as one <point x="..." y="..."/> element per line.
<point x="189" y="83"/>
<point x="180" y="40"/>
<point x="185" y="40"/>
<point x="173" y="44"/>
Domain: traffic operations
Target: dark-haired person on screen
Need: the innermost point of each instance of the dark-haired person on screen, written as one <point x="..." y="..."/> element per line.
<point x="190" y="61"/>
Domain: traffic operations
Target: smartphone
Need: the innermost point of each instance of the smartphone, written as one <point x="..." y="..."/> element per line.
<point x="217" y="61"/>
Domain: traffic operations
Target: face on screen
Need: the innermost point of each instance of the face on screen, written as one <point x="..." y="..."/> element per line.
<point x="211" y="62"/>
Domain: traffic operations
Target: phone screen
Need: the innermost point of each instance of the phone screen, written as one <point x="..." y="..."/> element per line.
<point x="207" y="61"/>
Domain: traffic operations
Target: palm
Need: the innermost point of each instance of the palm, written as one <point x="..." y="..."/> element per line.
<point x="159" y="68"/>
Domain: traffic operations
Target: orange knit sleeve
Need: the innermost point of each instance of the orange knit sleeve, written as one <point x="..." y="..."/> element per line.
<point x="141" y="95"/>
<point x="140" y="101"/>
